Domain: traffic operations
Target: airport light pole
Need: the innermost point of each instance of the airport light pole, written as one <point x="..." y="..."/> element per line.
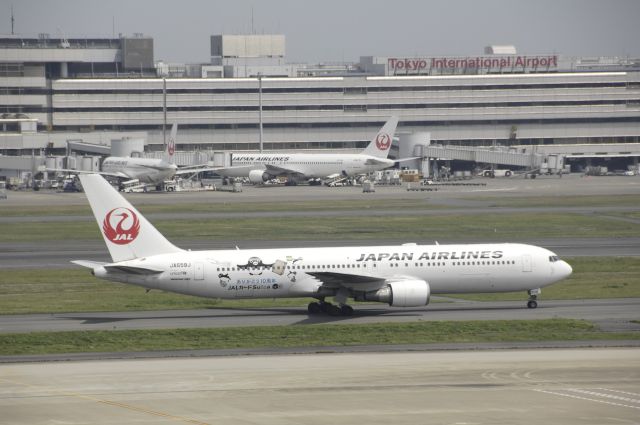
<point x="164" y="113"/>
<point x="260" y="107"/>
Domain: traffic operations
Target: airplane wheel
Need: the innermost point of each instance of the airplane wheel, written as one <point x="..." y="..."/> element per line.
<point x="334" y="310"/>
<point x="325" y="306"/>
<point x="314" y="308"/>
<point x="346" y="310"/>
<point x="532" y="304"/>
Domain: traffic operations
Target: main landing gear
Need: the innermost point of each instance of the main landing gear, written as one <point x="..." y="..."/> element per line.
<point x="533" y="296"/>
<point x="330" y="309"/>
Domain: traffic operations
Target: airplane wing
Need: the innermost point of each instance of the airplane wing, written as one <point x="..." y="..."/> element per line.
<point x="278" y="171"/>
<point x="349" y="280"/>
<point x="102" y="173"/>
<point x="220" y="170"/>
<point x="273" y="170"/>
<point x="199" y="169"/>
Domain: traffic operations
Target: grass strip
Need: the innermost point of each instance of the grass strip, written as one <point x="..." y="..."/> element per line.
<point x="499" y="227"/>
<point x="213" y="205"/>
<point x="304" y="336"/>
<point x="557" y="201"/>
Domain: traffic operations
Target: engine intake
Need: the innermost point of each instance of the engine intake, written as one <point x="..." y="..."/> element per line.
<point x="405" y="293"/>
<point x="258" y="176"/>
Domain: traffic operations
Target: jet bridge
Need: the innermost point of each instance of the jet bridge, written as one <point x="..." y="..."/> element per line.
<point x="492" y="155"/>
<point x="514" y="157"/>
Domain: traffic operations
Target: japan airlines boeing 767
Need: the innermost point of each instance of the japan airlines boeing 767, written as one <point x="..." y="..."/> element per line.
<point x="402" y="276"/>
<point x="261" y="167"/>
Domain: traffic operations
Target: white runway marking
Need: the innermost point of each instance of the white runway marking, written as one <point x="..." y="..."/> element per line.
<point x="562" y="394"/>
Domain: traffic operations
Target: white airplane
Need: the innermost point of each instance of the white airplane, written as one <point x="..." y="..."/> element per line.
<point x="261" y="167"/>
<point x="402" y="276"/>
<point x="146" y="171"/>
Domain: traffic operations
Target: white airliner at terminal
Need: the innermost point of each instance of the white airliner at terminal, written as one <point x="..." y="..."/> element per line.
<point x="261" y="167"/>
<point x="401" y="276"/>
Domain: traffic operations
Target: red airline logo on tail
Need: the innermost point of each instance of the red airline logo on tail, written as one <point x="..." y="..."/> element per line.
<point x="171" y="148"/>
<point x="383" y="141"/>
<point x="126" y="229"/>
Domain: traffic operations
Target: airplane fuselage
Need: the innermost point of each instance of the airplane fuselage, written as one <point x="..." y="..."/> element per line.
<point x="146" y="170"/>
<point x="289" y="272"/>
<point x="308" y="165"/>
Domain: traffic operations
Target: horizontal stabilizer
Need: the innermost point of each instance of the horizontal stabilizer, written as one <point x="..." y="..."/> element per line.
<point x="132" y="269"/>
<point x="374" y="161"/>
<point x="88" y="264"/>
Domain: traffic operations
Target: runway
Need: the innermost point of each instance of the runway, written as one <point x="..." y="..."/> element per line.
<point x="576" y="386"/>
<point x="608" y="314"/>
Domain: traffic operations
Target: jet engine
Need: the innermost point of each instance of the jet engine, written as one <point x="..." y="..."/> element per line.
<point x="258" y="176"/>
<point x="403" y="293"/>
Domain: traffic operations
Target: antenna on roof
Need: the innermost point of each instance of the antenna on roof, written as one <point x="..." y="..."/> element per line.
<point x="12" y="20"/>
<point x="253" y="31"/>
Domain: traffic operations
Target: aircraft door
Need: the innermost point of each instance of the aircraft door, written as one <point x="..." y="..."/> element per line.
<point x="198" y="271"/>
<point x="526" y="263"/>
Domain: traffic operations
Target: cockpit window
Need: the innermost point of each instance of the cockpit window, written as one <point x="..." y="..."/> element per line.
<point x="553" y="258"/>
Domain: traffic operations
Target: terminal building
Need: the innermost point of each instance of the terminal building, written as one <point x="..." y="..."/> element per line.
<point x="96" y="90"/>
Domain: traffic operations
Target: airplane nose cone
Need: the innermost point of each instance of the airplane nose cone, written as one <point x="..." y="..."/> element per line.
<point x="565" y="269"/>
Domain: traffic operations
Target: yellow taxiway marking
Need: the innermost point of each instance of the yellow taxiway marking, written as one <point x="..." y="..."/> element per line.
<point x="108" y="402"/>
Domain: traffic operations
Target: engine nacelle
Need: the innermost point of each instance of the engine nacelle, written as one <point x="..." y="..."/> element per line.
<point x="404" y="293"/>
<point x="258" y="176"/>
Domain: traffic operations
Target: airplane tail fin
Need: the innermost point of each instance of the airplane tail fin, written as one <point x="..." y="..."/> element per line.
<point x="126" y="232"/>
<point x="381" y="143"/>
<point x="171" y="145"/>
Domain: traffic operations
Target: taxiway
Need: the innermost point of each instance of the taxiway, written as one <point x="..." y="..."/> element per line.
<point x="567" y="386"/>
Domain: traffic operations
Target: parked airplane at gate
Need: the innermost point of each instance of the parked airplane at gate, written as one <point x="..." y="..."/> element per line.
<point x="402" y="276"/>
<point x="147" y="171"/>
<point x="261" y="167"/>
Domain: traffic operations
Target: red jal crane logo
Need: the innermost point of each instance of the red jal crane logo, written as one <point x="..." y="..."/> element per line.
<point x="171" y="148"/>
<point x="126" y="227"/>
<point x="383" y="141"/>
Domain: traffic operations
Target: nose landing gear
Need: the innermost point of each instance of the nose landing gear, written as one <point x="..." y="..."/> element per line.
<point x="533" y="297"/>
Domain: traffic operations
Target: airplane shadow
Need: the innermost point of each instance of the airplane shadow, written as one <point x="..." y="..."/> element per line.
<point x="248" y="313"/>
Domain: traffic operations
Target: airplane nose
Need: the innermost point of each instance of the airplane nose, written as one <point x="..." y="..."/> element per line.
<point x="565" y="269"/>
